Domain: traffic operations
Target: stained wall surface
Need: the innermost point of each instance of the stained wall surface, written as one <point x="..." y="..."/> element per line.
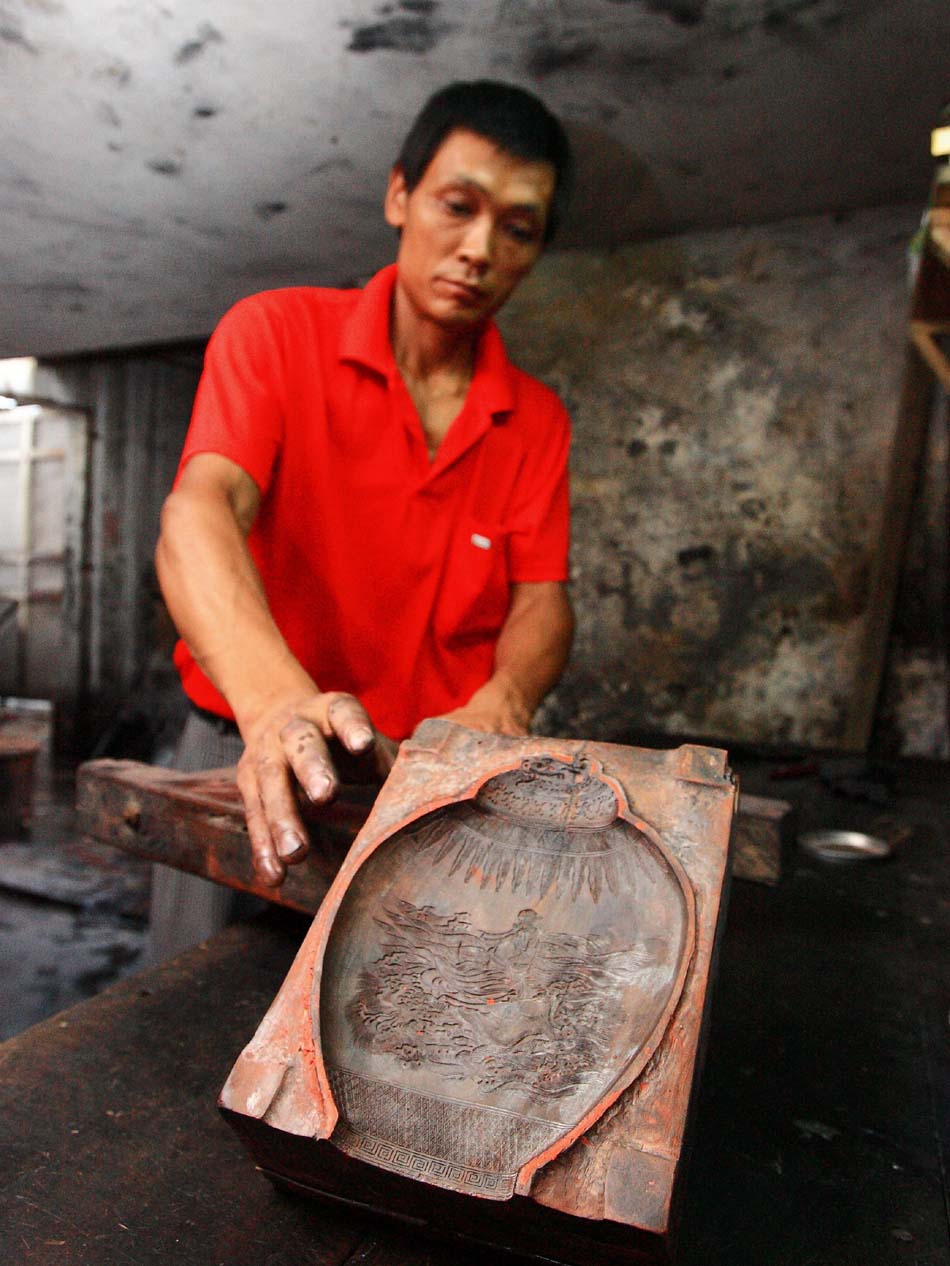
<point x="734" y="396"/>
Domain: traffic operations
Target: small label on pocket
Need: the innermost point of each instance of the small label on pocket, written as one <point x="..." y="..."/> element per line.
<point x="482" y="542"/>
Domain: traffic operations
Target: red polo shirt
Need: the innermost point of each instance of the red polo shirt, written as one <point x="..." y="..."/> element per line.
<point x="387" y="573"/>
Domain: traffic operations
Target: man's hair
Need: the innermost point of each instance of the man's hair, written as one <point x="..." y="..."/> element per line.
<point x="516" y="120"/>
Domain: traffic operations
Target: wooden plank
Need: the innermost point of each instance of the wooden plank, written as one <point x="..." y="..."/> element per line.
<point x="925" y="335"/>
<point x="931" y="298"/>
<point x="925" y="361"/>
<point x="759" y="837"/>
<point x="194" y="822"/>
<point x="907" y="449"/>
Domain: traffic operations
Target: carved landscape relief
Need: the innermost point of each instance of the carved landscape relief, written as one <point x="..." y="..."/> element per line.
<point x="522" y="1006"/>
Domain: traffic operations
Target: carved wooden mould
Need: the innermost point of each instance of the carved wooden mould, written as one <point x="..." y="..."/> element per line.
<point x="507" y="976"/>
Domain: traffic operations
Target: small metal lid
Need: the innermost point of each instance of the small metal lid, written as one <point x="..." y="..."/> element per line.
<point x="844" y="846"/>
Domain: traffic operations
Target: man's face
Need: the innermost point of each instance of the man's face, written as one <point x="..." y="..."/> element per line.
<point x="471" y="229"/>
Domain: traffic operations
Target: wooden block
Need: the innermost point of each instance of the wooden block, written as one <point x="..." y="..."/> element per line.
<point x="759" y="836"/>
<point x="504" y="999"/>
<point x="931" y="298"/>
<point x="195" y="822"/>
<point x="907" y="450"/>
<point x="930" y="304"/>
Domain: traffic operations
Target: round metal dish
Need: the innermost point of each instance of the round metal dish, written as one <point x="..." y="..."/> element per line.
<point x="844" y="846"/>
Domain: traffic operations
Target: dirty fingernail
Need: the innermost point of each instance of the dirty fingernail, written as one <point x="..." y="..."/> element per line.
<point x="360" y="738"/>
<point x="289" y="844"/>
<point x="319" y="788"/>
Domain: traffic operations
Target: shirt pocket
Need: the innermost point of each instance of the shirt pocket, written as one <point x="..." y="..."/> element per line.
<point x="475" y="588"/>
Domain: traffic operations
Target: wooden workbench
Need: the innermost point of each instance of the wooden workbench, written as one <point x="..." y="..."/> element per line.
<point x="821" y="1132"/>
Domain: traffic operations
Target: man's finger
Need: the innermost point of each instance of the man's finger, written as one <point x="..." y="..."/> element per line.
<point x="268" y="865"/>
<point x="349" y="722"/>
<point x="287" y="832"/>
<point x="307" y="753"/>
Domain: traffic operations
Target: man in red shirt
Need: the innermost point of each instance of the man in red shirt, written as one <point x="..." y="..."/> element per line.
<point x="369" y="525"/>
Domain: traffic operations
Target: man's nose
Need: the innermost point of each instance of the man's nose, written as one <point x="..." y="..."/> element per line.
<point x="478" y="242"/>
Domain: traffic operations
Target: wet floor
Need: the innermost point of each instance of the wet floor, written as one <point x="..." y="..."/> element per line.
<point x="73" y="914"/>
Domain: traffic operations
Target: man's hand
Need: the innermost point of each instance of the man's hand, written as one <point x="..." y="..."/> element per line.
<point x="530" y="656"/>
<point x="498" y="707"/>
<point x="292" y="743"/>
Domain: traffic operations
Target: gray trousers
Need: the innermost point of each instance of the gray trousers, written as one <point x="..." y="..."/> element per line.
<point x="186" y="909"/>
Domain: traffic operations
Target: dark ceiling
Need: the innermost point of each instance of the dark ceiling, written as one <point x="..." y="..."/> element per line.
<point x="160" y="159"/>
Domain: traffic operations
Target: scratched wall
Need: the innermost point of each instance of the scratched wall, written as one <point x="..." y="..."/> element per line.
<point x="734" y="397"/>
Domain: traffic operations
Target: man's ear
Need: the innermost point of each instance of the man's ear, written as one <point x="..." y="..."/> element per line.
<point x="397" y="195"/>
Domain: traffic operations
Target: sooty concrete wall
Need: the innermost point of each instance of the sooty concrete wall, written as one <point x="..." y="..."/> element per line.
<point x="734" y="398"/>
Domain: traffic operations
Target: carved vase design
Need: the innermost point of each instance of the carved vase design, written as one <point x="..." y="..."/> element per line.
<point x="499" y="970"/>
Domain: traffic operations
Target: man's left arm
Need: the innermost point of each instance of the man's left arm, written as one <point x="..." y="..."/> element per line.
<point x="530" y="655"/>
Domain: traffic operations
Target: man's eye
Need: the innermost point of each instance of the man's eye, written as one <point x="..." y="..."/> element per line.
<point x="456" y="206"/>
<point x="523" y="232"/>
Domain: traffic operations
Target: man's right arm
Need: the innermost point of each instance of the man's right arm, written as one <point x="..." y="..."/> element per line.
<point x="215" y="596"/>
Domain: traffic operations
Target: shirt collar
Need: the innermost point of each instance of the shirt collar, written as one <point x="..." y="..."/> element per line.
<point x="365" y="339"/>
